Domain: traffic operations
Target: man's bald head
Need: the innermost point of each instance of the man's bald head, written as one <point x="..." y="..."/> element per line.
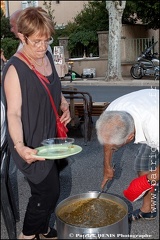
<point x="114" y="127"/>
<point x="13" y="22"/>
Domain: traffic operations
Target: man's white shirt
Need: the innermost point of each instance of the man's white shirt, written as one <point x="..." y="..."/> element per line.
<point x="143" y="106"/>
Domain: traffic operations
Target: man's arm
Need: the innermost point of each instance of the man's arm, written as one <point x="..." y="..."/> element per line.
<point x="108" y="170"/>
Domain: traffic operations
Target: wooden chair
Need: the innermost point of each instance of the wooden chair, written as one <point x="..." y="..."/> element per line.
<point x="97" y="108"/>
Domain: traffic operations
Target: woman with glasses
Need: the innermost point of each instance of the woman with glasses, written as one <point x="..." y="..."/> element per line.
<point x="31" y="119"/>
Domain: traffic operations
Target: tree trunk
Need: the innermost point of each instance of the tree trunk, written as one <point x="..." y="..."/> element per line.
<point x="115" y="11"/>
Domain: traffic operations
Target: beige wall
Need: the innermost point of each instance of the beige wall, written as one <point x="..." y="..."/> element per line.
<point x="64" y="11"/>
<point x="99" y="64"/>
<point x="140" y="31"/>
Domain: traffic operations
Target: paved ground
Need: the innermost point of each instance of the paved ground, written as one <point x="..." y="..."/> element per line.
<point x="84" y="173"/>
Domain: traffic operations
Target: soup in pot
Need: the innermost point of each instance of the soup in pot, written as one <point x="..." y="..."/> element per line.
<point x="91" y="212"/>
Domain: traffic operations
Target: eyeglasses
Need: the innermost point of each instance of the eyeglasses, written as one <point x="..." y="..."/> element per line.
<point x="38" y="43"/>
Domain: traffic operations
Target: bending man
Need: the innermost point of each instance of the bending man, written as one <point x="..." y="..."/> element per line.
<point x="134" y="116"/>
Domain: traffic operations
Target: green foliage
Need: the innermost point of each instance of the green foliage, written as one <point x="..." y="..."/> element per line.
<point x="94" y="17"/>
<point x="146" y="11"/>
<point x="5" y="27"/>
<point x="9" y="46"/>
<point x="84" y="40"/>
<point x="2" y="13"/>
<point x="8" y="42"/>
<point x="69" y="28"/>
<point x="83" y="31"/>
<point x="48" y="7"/>
<point x="129" y="13"/>
<point x="83" y="37"/>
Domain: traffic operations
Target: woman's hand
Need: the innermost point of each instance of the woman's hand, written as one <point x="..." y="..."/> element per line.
<point x="66" y="117"/>
<point x="27" y="154"/>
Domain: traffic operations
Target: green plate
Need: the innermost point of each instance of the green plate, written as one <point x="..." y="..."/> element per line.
<point x="54" y="152"/>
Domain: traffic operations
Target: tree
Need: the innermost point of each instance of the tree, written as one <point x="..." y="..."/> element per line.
<point x="92" y="17"/>
<point x="9" y="45"/>
<point x="115" y="10"/>
<point x="148" y="12"/>
<point x="48" y="7"/>
<point x="86" y="40"/>
<point x="87" y="23"/>
<point x="82" y="32"/>
<point x="145" y="11"/>
<point x="5" y="27"/>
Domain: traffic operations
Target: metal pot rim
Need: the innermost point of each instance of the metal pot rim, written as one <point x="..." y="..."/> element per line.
<point x="95" y="194"/>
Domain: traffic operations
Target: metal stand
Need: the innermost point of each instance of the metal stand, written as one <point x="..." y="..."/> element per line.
<point x="86" y="114"/>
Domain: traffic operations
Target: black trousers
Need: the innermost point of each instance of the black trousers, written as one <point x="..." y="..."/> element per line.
<point x="42" y="203"/>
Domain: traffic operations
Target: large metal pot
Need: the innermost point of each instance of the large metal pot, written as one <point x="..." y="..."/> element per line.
<point x="117" y="230"/>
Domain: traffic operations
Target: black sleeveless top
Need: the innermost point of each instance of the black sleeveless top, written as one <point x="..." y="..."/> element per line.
<point x="37" y="115"/>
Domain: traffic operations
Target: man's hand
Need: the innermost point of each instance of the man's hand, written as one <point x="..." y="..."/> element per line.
<point x="108" y="175"/>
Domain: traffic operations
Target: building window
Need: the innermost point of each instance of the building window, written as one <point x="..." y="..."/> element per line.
<point x="35" y="3"/>
<point x="26" y="4"/>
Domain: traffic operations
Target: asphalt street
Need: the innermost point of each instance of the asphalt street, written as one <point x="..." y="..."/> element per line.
<point x="84" y="173"/>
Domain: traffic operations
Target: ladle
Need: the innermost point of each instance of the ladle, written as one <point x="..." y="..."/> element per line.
<point x="103" y="189"/>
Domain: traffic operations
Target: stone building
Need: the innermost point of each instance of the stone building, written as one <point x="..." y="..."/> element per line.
<point x="64" y="11"/>
<point x="132" y="35"/>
